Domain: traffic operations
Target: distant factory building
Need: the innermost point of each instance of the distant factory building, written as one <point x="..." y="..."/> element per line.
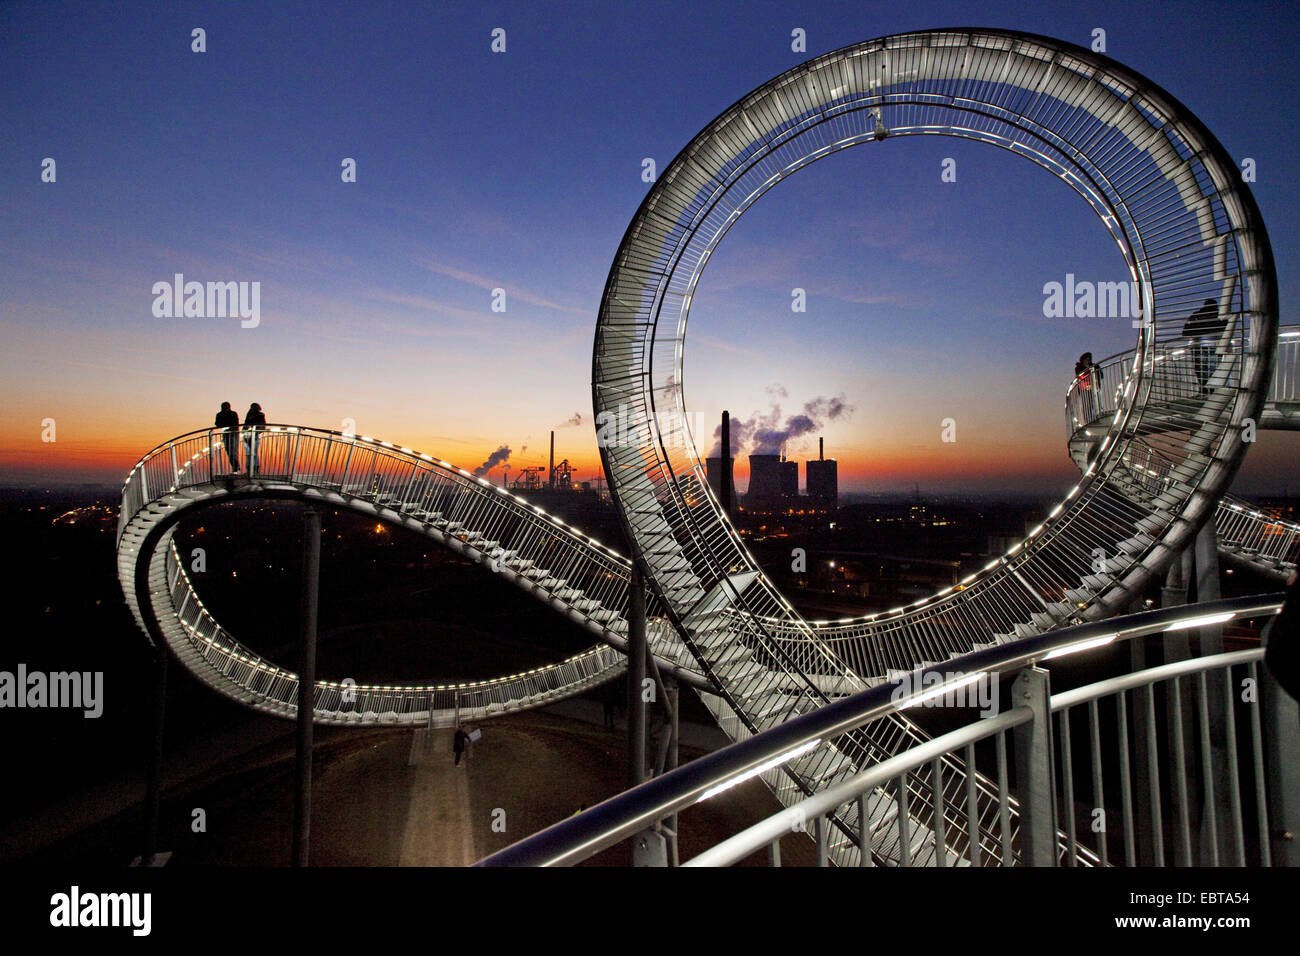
<point x="823" y="480"/>
<point x="789" y="479"/>
<point x="764" y="492"/>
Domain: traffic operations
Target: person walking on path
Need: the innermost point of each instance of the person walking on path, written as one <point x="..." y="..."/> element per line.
<point x="609" y="699"/>
<point x="254" y="422"/>
<point x="228" y="419"/>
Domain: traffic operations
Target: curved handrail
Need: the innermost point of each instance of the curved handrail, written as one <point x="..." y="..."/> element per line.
<point x="627" y="813"/>
<point x="1085" y="407"/>
<point x="535" y="550"/>
<point x="764" y="833"/>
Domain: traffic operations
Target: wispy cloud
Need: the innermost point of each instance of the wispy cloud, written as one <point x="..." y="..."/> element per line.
<point x="512" y="290"/>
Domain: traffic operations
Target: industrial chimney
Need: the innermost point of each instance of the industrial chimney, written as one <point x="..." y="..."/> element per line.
<point x="725" y="481"/>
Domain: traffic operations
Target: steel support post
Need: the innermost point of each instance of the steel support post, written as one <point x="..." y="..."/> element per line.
<point x="1215" y="838"/>
<point x="648" y="847"/>
<point x="1280" y="719"/>
<point x="673" y="703"/>
<point x="636" y="675"/>
<point x="1033" y="743"/>
<point x="306" y="685"/>
<point x="1179" y="712"/>
<point x="1142" y="768"/>
<point x="154" y="772"/>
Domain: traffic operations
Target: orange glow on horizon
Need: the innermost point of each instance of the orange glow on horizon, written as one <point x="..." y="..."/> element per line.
<point x="107" y="453"/>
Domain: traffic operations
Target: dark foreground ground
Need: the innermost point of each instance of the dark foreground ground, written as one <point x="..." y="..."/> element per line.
<point x="395" y="798"/>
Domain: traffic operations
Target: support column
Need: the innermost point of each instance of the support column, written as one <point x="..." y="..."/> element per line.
<point x="1033" y="752"/>
<point x="1178" y="647"/>
<point x="648" y="846"/>
<point x="306" y="684"/>
<point x="1215" y="841"/>
<point x="1141" y="767"/>
<point x="149" y="855"/>
<point x="673" y="701"/>
<point x="1207" y="583"/>
<point x="1281" y="733"/>
<point x="636" y="672"/>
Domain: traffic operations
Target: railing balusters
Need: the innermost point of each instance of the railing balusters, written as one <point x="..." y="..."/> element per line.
<point x="1183" y="856"/>
<point x="1125" y="779"/>
<point x="1004" y="807"/>
<point x="1067" y="771"/>
<point x="1098" y="783"/>
<point x="1209" y="827"/>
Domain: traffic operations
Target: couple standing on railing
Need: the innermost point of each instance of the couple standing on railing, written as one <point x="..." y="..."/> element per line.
<point x="254" y="422"/>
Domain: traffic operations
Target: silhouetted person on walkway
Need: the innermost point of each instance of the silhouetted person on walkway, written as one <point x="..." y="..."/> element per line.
<point x="607" y="700"/>
<point x="254" y="422"/>
<point x="1089" y="376"/>
<point x="458" y="744"/>
<point x="1203" y="328"/>
<point x="228" y="419"/>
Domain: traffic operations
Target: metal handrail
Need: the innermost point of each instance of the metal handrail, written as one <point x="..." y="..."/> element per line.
<point x="626" y="814"/>
<point x="1284" y="388"/>
<point x="404" y="487"/>
<point x="770" y="830"/>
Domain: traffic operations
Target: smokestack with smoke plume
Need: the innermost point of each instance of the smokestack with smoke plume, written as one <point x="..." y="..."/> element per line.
<point x="498" y="457"/>
<point x="766" y="434"/>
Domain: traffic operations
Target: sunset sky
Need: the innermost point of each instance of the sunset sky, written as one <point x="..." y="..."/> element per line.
<point x="521" y="171"/>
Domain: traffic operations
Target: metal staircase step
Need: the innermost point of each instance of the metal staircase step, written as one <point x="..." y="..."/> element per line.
<point x="727" y="654"/>
<point x="1136" y="544"/>
<point x="1152" y="524"/>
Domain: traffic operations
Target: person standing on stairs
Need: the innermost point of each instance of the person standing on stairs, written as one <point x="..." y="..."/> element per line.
<point x="1203" y="329"/>
<point x="1089" y="376"/>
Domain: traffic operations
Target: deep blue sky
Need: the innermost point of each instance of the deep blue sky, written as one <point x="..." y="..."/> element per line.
<point x="522" y="171"/>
